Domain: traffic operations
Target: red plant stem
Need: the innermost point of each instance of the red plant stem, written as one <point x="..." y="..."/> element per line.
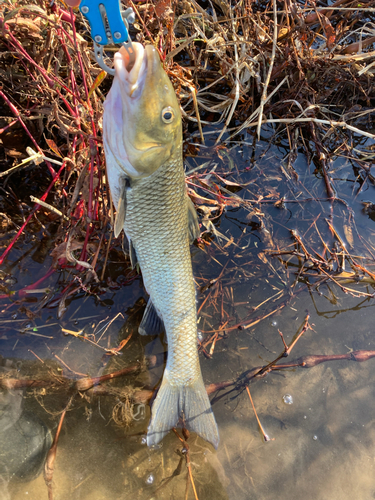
<point x="75" y="96"/>
<point x="32" y="77"/>
<point x="96" y="205"/>
<point x="16" y="113"/>
<point x="74" y="145"/>
<point x="93" y="147"/>
<point x="25" y="54"/>
<point x="2" y="130"/>
<point x="89" y="207"/>
<point x="73" y="83"/>
<point x="83" y="76"/>
<point x="92" y="167"/>
<point x="50" y="81"/>
<point x="68" y="17"/>
<point x="49" y="20"/>
<point x="36" y="207"/>
<point x="23" y="291"/>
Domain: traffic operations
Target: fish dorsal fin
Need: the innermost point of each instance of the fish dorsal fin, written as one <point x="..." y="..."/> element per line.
<point x="121" y="208"/>
<point x="194" y="231"/>
<point x="151" y="323"/>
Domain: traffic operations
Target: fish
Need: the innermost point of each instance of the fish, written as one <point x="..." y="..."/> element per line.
<point x="142" y="137"/>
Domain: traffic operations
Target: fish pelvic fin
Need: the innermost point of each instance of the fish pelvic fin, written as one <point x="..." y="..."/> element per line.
<point x="193" y="224"/>
<point x="190" y="402"/>
<point x="121" y="208"/>
<point x="129" y="251"/>
<point x="133" y="255"/>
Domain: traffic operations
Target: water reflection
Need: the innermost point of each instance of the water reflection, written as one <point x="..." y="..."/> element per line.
<point x="321" y="444"/>
<point x="24" y="438"/>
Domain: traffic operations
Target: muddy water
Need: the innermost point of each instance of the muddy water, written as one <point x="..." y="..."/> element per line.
<point x="320" y="421"/>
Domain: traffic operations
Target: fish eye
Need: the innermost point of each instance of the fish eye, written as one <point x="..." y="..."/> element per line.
<point x="167" y="115"/>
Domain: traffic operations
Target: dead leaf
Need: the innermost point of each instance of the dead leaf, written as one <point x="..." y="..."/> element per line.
<point x="53" y="147"/>
<point x="282" y="32"/>
<point x="349" y="235"/>
<point x="98" y="80"/>
<point x="163" y="8"/>
<point x="329" y="31"/>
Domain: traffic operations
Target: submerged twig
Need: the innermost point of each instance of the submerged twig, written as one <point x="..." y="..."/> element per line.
<point x="265" y="435"/>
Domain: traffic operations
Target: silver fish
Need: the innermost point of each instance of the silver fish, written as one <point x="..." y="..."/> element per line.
<point x="142" y="134"/>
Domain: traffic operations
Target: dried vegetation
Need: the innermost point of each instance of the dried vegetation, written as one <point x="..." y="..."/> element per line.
<point x="298" y="75"/>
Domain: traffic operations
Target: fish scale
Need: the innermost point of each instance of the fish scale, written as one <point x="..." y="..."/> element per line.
<point x="157" y="211"/>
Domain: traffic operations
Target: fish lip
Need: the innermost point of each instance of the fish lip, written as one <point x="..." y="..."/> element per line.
<point x="146" y="67"/>
<point x="149" y="148"/>
<point x="133" y="79"/>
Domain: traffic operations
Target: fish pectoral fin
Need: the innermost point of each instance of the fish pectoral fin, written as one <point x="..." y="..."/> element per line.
<point x="194" y="231"/>
<point x="189" y="401"/>
<point x="121" y="208"/>
<point x="151" y="323"/>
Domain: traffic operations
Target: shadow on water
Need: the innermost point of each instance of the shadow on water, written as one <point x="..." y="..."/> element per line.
<point x="320" y="420"/>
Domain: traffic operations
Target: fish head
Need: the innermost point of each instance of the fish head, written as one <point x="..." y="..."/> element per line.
<point x="142" y="120"/>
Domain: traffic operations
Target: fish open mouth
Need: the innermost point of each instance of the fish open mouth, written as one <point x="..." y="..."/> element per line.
<point x="132" y="74"/>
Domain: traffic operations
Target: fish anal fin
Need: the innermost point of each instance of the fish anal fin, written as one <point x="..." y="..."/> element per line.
<point x="194" y="231"/>
<point x="191" y="402"/>
<point x="151" y="323"/>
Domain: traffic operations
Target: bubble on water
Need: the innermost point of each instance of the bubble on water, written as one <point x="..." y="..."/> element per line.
<point x="150" y="479"/>
<point x="14" y="316"/>
<point x="315" y="438"/>
<point x="156" y="446"/>
<point x="288" y="399"/>
<point x="274" y="323"/>
<point x="144" y="440"/>
<point x="304" y="417"/>
<point x="200" y="336"/>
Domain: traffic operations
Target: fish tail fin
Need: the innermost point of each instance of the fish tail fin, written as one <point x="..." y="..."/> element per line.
<point x="191" y="402"/>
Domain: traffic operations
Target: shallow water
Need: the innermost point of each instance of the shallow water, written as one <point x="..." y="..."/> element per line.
<point x="321" y="445"/>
